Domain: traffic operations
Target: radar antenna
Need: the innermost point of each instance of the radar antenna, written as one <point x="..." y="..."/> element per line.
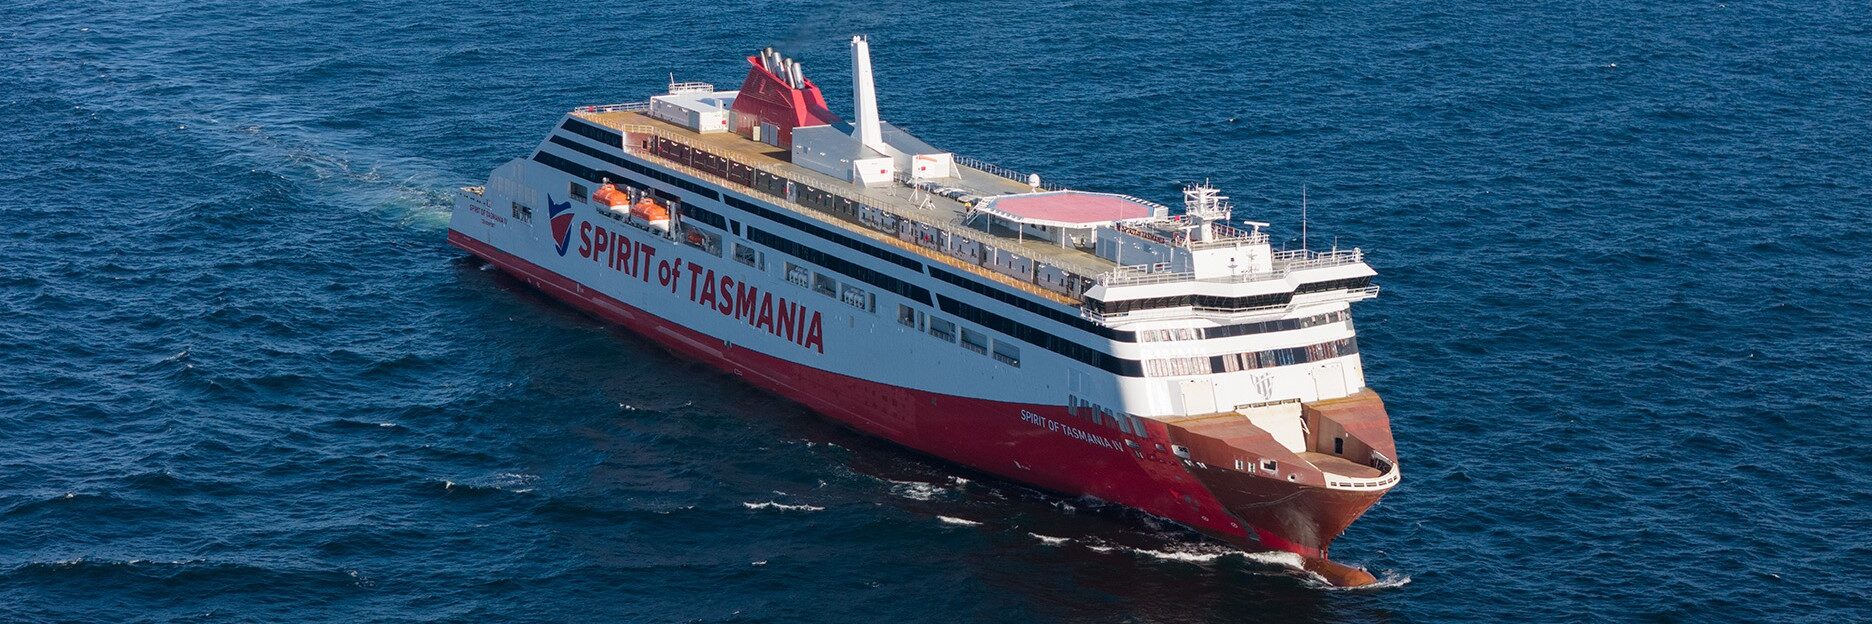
<point x="1204" y="203"/>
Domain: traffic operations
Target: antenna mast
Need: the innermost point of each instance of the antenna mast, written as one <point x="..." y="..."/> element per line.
<point x="1204" y="204"/>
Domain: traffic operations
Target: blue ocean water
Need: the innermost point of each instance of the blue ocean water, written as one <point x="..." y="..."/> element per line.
<point x="1624" y="331"/>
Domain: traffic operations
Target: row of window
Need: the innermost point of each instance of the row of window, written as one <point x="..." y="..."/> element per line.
<point x="698" y="213"/>
<point x="1047" y="311"/>
<point x="1031" y="335"/>
<point x="1226" y="331"/>
<point x="611" y="138"/>
<point x="840" y="265"/>
<point x="799" y="275"/>
<point x="828" y="285"/>
<point x="1217" y="302"/>
<point x="1185" y="366"/>
<point x="577" y="170"/>
<point x="842" y="240"/>
<point x="1002" y="351"/>
<point x="1213" y="302"/>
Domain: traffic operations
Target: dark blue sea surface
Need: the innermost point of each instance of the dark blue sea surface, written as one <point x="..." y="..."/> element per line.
<point x="1624" y="333"/>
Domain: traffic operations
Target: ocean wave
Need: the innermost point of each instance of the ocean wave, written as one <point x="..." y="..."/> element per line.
<point x="916" y="490"/>
<point x="89" y="569"/>
<point x="509" y="482"/>
<point x="366" y="425"/>
<point x="1178" y="555"/>
<point x="60" y="500"/>
<point x="781" y="506"/>
<point x="1386" y="580"/>
<point x="1050" y="540"/>
<point x="1202" y="554"/>
<point x="957" y="521"/>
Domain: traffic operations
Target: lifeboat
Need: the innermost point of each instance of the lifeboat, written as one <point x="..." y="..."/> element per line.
<point x="609" y="196"/>
<point x="652" y="213"/>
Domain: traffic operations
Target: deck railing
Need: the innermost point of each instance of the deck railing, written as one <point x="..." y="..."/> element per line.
<point x="616" y="108"/>
<point x="1285" y="262"/>
<point x="998" y="170"/>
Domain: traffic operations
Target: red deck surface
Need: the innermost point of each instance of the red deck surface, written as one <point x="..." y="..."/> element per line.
<point x="1068" y="207"/>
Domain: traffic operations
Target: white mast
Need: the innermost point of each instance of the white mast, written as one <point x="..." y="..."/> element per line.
<point x="864" y="97"/>
<point x="1204" y="203"/>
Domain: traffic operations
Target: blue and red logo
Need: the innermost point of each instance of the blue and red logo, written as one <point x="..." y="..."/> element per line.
<point x="561" y="216"/>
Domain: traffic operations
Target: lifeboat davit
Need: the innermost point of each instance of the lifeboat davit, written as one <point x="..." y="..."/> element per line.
<point x="652" y="213"/>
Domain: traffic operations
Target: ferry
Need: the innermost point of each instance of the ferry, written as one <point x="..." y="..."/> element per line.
<point x="1082" y="342"/>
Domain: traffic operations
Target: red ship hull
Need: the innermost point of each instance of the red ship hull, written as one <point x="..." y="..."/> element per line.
<point x="999" y="438"/>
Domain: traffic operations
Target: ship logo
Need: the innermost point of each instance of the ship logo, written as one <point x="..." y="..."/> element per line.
<point x="561" y="215"/>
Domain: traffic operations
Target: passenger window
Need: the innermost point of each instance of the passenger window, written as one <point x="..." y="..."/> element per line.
<point x="750" y="256"/>
<point x="856" y="297"/>
<point x="825" y="285"/>
<point x="974" y="341"/>
<point x="1007" y="353"/>
<point x="943" y="329"/>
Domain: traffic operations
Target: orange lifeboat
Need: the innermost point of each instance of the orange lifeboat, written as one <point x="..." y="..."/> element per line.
<point x="609" y="195"/>
<point x="652" y="213"/>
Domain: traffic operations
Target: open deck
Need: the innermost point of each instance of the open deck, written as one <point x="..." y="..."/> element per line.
<point x="950" y="215"/>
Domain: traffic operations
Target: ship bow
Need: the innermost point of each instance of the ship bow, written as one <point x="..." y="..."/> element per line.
<point x="1298" y="476"/>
